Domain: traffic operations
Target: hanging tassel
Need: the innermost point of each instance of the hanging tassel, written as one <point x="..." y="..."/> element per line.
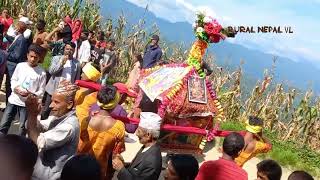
<point x="203" y="143"/>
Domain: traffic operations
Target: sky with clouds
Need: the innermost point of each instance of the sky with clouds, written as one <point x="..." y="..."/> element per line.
<point x="302" y="16"/>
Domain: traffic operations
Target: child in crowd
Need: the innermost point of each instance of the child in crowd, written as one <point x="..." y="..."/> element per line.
<point x="300" y="175"/>
<point x="28" y="78"/>
<point x="269" y="170"/>
<point x="81" y="167"/>
<point x="181" y="167"/>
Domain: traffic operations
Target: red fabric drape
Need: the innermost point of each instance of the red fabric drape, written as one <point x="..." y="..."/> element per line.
<point x="181" y="129"/>
<point x="165" y="127"/>
<point x="88" y="84"/>
<point x="122" y="88"/>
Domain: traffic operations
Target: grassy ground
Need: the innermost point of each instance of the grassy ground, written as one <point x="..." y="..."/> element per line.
<point x="287" y="153"/>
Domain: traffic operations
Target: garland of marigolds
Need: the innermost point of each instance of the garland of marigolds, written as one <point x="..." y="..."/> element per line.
<point x="196" y="53"/>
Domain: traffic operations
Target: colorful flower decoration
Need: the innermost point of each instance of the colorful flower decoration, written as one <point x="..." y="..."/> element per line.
<point x="208" y="29"/>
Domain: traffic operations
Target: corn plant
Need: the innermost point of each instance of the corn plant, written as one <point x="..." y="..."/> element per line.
<point x="52" y="11"/>
<point x="298" y="122"/>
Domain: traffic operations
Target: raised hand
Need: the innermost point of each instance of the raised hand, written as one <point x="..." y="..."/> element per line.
<point x="103" y="67"/>
<point x="33" y="106"/>
<point x="65" y="59"/>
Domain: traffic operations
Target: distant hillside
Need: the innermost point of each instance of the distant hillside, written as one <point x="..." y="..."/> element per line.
<point x="300" y="74"/>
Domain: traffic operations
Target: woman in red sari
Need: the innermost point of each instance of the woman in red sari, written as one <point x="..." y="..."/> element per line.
<point x="6" y="20"/>
<point x="76" y="29"/>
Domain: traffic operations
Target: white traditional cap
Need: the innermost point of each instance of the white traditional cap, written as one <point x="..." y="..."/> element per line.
<point x="150" y="120"/>
<point x="25" y="20"/>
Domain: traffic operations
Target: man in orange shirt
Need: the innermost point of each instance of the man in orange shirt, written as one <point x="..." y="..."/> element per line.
<point x="255" y="142"/>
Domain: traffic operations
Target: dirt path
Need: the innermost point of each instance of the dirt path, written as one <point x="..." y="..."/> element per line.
<point x="133" y="146"/>
<point x="211" y="153"/>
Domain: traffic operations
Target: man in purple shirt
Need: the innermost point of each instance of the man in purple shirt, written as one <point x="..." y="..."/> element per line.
<point x="152" y="54"/>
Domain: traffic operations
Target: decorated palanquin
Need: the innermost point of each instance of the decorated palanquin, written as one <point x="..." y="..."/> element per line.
<point x="187" y="101"/>
<point x="179" y="107"/>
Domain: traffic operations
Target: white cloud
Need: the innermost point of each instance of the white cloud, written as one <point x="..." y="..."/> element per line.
<point x="166" y="9"/>
<point x="174" y="10"/>
<point x="302" y="44"/>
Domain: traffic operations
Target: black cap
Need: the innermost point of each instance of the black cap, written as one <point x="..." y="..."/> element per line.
<point x="155" y="37"/>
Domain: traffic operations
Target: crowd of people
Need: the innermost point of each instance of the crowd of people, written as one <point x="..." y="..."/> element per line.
<point x="67" y="130"/>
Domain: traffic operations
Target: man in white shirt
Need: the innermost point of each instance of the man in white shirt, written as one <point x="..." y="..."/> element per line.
<point x="27" y="33"/>
<point x="28" y="78"/>
<point x="63" y="67"/>
<point x="84" y="52"/>
<point x="57" y="137"/>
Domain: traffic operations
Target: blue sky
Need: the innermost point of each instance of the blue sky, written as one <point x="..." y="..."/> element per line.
<point x="302" y="16"/>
